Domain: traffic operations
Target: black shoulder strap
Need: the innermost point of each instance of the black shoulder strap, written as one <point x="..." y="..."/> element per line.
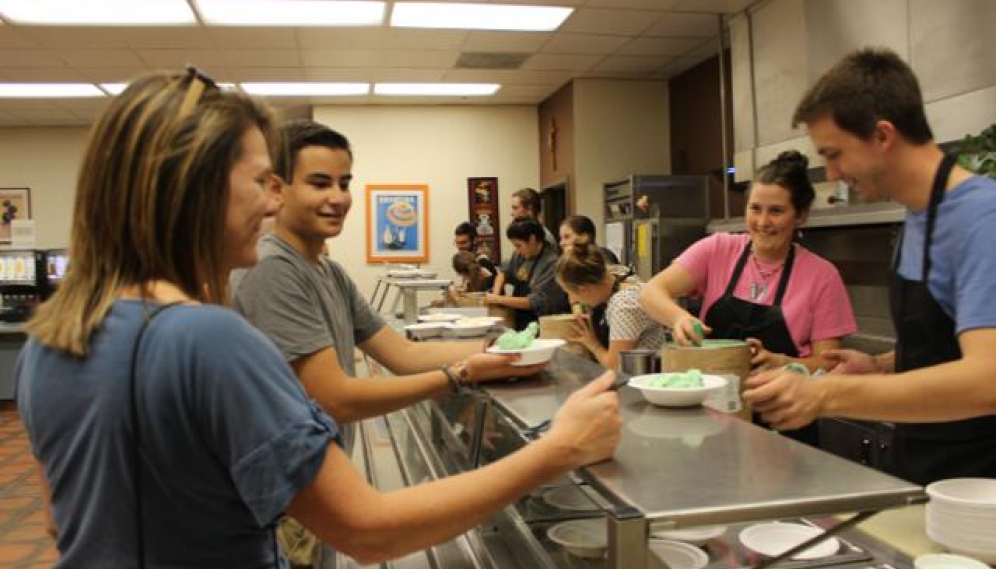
<point x="136" y="425"/>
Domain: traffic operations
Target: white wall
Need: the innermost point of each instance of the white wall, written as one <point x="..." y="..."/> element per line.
<point x="780" y="47"/>
<point x="438" y="146"/>
<point x="620" y="128"/>
<point x="46" y="160"/>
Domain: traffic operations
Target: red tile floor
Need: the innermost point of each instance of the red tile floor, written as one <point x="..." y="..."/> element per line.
<point x="23" y="541"/>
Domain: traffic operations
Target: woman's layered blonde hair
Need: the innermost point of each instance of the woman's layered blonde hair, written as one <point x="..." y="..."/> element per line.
<point x="151" y="201"/>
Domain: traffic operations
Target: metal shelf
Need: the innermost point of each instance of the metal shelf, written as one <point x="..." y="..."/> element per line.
<point x="861" y="214"/>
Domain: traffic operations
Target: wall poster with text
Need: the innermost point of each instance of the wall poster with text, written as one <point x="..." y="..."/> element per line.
<point x="482" y="205"/>
<point x="397" y="223"/>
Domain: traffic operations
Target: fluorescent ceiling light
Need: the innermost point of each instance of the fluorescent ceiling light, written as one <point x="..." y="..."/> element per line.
<point x="48" y="90"/>
<point x="290" y="12"/>
<point x="306" y="89"/>
<point x="478" y="16"/>
<point x="98" y="12"/>
<point x="452" y="89"/>
<point x="117" y="88"/>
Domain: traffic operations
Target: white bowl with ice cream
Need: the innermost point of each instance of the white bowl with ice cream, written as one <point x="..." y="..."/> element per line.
<point x="677" y="389"/>
<point x="539" y="351"/>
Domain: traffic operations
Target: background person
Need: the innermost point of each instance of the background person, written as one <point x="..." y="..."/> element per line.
<point x="189" y="452"/>
<point x="865" y="116"/>
<point x="790" y="304"/>
<point x="580" y="229"/>
<point x="465" y="239"/>
<point x="528" y="203"/>
<point x="535" y="291"/>
<point x="614" y="320"/>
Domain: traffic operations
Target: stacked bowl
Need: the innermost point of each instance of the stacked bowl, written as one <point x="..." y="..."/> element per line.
<point x="961" y="516"/>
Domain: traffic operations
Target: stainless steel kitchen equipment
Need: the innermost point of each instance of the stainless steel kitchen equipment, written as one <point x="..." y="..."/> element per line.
<point x="658" y="217"/>
<point x="674" y="469"/>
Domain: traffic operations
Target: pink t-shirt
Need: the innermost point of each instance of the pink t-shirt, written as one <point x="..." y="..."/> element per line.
<point x="815" y="305"/>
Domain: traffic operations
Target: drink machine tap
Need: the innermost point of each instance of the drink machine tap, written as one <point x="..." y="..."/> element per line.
<point x="21" y="284"/>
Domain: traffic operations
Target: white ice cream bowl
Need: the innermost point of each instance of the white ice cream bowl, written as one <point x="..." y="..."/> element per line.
<point x="961" y="516"/>
<point x="676" y="396"/>
<point x="540" y="351"/>
<point x="584" y="538"/>
<point x="425" y="330"/>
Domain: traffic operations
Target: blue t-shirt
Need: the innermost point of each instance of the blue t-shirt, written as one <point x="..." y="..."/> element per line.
<point x="963" y="262"/>
<point x="228" y="437"/>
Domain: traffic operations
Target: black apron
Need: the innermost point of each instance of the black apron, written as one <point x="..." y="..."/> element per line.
<point x="521" y="287"/>
<point x="925" y="336"/>
<point x="732" y="318"/>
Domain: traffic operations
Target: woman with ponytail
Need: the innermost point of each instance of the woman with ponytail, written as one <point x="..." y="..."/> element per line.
<point x="612" y="320"/>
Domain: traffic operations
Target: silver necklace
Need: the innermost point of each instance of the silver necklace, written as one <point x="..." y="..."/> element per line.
<point x="759" y="289"/>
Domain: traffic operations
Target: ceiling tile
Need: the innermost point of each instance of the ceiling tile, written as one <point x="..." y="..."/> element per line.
<point x="509" y="42"/>
<point x="259" y="74"/>
<point x="640" y="4"/>
<point x="161" y="59"/>
<point x="45" y="75"/>
<point x="12" y="38"/>
<point x="401" y="75"/>
<point x="62" y="37"/>
<point x="253" y="38"/>
<point x="167" y="38"/>
<point x="100" y="58"/>
<point x="584" y="43"/>
<point x="674" y="24"/>
<point x="557" y="77"/>
<point x="379" y="38"/>
<point x="550" y="61"/>
<point x="29" y="58"/>
<point x="715" y="6"/>
<point x="111" y="74"/>
<point x="618" y="22"/>
<point x="51" y="114"/>
<point x="659" y="46"/>
<point x="259" y="58"/>
<point x="92" y="105"/>
<point x="630" y="64"/>
<point x="372" y="58"/>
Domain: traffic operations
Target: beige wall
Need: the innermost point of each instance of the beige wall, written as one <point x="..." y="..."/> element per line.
<point x="46" y="160"/>
<point x="620" y="128"/>
<point x="781" y="46"/>
<point x="438" y="146"/>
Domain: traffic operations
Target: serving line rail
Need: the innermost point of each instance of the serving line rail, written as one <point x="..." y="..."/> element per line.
<point x="678" y="468"/>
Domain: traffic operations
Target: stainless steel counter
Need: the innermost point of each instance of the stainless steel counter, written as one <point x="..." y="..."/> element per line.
<point x="680" y="468"/>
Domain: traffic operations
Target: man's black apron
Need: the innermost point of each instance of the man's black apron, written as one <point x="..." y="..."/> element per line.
<point x="732" y="318"/>
<point x="925" y="336"/>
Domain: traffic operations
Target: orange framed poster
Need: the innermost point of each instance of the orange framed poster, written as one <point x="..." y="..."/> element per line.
<point x="397" y="223"/>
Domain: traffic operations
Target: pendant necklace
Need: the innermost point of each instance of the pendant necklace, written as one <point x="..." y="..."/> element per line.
<point x="759" y="289"/>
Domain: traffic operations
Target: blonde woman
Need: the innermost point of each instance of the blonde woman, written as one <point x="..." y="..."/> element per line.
<point x="157" y="412"/>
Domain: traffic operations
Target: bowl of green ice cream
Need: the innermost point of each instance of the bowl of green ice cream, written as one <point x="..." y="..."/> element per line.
<point x="677" y="389"/>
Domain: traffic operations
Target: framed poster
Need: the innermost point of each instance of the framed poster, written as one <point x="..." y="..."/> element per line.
<point x="482" y="205"/>
<point x="15" y="203"/>
<point x="397" y="223"/>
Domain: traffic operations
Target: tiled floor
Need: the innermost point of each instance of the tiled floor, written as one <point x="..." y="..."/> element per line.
<point x="23" y="542"/>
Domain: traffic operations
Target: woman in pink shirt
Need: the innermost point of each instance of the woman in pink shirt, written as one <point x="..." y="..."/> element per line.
<point x="787" y="302"/>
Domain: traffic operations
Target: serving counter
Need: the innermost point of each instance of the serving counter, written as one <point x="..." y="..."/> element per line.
<point x="674" y="468"/>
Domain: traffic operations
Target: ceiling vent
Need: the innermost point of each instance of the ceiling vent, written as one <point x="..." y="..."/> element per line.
<point x="491" y="60"/>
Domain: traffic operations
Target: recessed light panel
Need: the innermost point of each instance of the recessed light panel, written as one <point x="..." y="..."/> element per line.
<point x="437" y="89"/>
<point x="290" y="12"/>
<point x="478" y="16"/>
<point x="306" y="89"/>
<point x="98" y="12"/>
<point x="48" y="90"/>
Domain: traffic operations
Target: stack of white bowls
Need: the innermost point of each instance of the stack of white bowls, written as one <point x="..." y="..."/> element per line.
<point x="961" y="516"/>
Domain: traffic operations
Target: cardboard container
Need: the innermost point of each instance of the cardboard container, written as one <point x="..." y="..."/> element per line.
<point x="728" y="358"/>
<point x="558" y="326"/>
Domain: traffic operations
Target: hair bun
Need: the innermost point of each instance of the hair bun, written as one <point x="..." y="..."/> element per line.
<point x="793" y="158"/>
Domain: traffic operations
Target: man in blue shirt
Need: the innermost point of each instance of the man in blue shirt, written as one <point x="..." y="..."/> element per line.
<point x="866" y="118"/>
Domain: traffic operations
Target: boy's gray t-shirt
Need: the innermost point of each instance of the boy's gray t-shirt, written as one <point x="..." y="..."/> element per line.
<point x="304" y="307"/>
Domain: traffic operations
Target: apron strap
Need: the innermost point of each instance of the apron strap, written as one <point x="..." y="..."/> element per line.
<point x="936" y="197"/>
<point x="737" y="271"/>
<point x="786" y="272"/>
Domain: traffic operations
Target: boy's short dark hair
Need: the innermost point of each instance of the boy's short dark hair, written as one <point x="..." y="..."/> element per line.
<point x="523" y="227"/>
<point x="867" y="86"/>
<point x="302" y="133"/>
<point x="466" y="228"/>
